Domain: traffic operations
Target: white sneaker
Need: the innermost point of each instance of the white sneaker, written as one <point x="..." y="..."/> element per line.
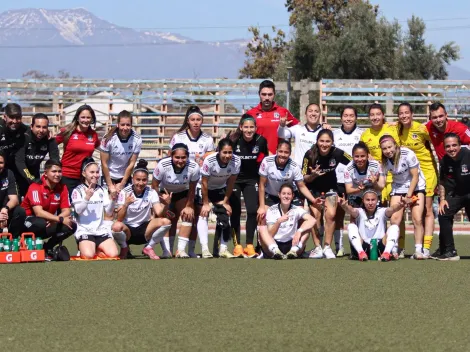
<point x="206" y="254"/>
<point x="418" y="256"/>
<point x="426" y="253"/>
<point x="328" y="253"/>
<point x="340" y="253"/>
<point x="316" y="253"/>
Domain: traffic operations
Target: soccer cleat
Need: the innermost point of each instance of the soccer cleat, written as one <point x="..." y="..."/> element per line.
<point x="427" y="253"/>
<point x="340" y="253"/>
<point x="316" y="253"/>
<point x="401" y="253"/>
<point x="418" y="256"/>
<point x="182" y="255"/>
<point x="362" y="257"/>
<point x="206" y="254"/>
<point x="238" y="252"/>
<point x="436" y="254"/>
<point x="451" y="256"/>
<point x="149" y="252"/>
<point x="277" y="254"/>
<point x="385" y="257"/>
<point x="226" y="254"/>
<point x="123" y="253"/>
<point x="166" y="255"/>
<point x="328" y="253"/>
<point x="192" y="255"/>
<point x="249" y="251"/>
<point x="292" y="254"/>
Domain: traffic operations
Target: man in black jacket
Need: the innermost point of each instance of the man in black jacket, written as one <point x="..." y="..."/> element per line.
<point x="454" y="193"/>
<point x="37" y="145"/>
<point x="12" y="132"/>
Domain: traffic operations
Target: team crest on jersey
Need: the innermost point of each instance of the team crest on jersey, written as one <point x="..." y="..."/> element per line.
<point x="255" y="149"/>
<point x="464" y="169"/>
<point x="201" y="146"/>
<point x="45" y="195"/>
<point x="57" y="196"/>
<point x="5" y="183"/>
<point x="185" y="178"/>
<point x="206" y="168"/>
<point x="44" y="147"/>
<point x="130" y="147"/>
<point x="238" y="149"/>
<point x="332" y="162"/>
<point x="356" y="138"/>
<point x="303" y="134"/>
<point x="403" y="165"/>
<point x="90" y="138"/>
<point x="276" y="115"/>
<point x="414" y="136"/>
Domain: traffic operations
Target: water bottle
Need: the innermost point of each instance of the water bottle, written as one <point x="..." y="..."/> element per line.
<point x="374" y="252"/>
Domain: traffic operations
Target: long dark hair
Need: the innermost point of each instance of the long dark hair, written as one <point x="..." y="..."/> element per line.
<point x="235" y="136"/>
<point x="123" y="114"/>
<point x="315" y="150"/>
<point x="193" y="109"/>
<point x="72" y="126"/>
<point x="400" y="125"/>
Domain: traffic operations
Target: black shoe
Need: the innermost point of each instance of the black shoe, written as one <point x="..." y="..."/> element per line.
<point x="436" y="254"/>
<point x="449" y="256"/>
<point x="130" y="255"/>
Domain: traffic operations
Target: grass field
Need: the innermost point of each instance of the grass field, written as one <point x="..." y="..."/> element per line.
<point x="236" y="305"/>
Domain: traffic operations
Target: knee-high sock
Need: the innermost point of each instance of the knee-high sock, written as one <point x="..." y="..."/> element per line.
<point x="120" y="238"/>
<point x="182" y="242"/>
<point x="191" y="246"/>
<point x="402" y="233"/>
<point x="172" y="243"/>
<point x="427" y="242"/>
<point x="338" y="236"/>
<point x="203" y="233"/>
<point x="355" y="238"/>
<point x="157" y="235"/>
<point x="393" y="233"/>
<point x="165" y="243"/>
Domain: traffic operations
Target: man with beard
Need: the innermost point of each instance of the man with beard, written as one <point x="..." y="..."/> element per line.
<point x="12" y="133"/>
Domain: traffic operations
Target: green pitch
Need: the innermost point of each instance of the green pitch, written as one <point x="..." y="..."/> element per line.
<point x="237" y="305"/>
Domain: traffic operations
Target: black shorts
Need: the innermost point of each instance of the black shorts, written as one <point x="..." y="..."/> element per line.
<point x="284" y="247"/>
<point x="415" y="193"/>
<point x="341" y="189"/>
<point x="366" y="248"/>
<point x="96" y="239"/>
<point x="138" y="233"/>
<point x="215" y="196"/>
<point x="176" y="197"/>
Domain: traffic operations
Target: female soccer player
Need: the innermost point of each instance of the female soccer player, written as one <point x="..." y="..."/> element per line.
<point x="345" y="138"/>
<point x="319" y="170"/>
<point x="91" y="201"/>
<point x="219" y="173"/>
<point x="408" y="181"/>
<point x="80" y="140"/>
<point x="251" y="148"/>
<point x="119" y="150"/>
<point x="285" y="237"/>
<point x="199" y="143"/>
<point x="415" y="136"/>
<point x="135" y="223"/>
<point x="179" y="175"/>
<point x="362" y="174"/>
<point x="371" y="222"/>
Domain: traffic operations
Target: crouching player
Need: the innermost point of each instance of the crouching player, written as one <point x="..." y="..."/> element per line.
<point x="371" y="222"/>
<point x="285" y="238"/>
<point x="91" y="201"/>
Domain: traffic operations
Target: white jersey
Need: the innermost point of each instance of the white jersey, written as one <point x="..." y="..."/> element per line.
<point x="139" y="211"/>
<point x="120" y="151"/>
<point x="372" y="228"/>
<point x="217" y="173"/>
<point x="304" y="139"/>
<point x="175" y="181"/>
<point x="288" y="228"/>
<point x="90" y="221"/>
<point x="401" y="172"/>
<point x="197" y="146"/>
<point x="276" y="176"/>
<point x="353" y="176"/>
<point x="345" y="141"/>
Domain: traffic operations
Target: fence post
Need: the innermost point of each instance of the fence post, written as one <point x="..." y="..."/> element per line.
<point x="304" y="98"/>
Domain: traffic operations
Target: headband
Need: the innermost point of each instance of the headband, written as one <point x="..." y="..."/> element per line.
<point x="195" y="113"/>
<point x="248" y="118"/>
<point x="89" y="163"/>
<point x="180" y="146"/>
<point x="387" y="137"/>
<point x="369" y="190"/>
<point x="140" y="169"/>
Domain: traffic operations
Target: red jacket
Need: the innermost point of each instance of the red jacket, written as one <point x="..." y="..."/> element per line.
<point x="437" y="138"/>
<point x="49" y="199"/>
<point x="267" y="122"/>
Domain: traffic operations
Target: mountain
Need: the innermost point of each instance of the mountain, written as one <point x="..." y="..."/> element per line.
<point x="77" y="41"/>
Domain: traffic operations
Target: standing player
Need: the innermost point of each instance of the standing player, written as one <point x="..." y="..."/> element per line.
<point x="119" y="151"/>
<point x="345" y="138"/>
<point x="251" y="148"/>
<point x="408" y="181"/>
<point x="268" y="114"/>
<point x="179" y="175"/>
<point x="371" y="223"/>
<point x="91" y="202"/>
<point x="36" y="146"/>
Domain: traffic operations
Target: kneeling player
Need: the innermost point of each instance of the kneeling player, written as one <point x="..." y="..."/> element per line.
<point x="135" y="224"/>
<point x="371" y="222"/>
<point x="285" y="238"/>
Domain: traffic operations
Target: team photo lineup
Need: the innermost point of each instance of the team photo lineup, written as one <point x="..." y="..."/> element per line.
<point x="297" y="183"/>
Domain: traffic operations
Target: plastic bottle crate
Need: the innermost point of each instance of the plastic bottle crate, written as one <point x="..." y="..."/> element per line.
<point x="9" y="257"/>
<point x="28" y="255"/>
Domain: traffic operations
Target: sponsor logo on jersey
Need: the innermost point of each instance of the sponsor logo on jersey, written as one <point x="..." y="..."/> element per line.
<point x="414" y="136"/>
<point x="255" y="149"/>
<point x="464" y="168"/>
<point x="259" y="116"/>
<point x="57" y="196"/>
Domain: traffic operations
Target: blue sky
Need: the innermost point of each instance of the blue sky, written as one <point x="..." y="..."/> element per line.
<point x="188" y="17"/>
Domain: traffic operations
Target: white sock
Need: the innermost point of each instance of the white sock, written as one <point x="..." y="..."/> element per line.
<point x="182" y="242"/>
<point x="354" y="238"/>
<point x="393" y="233"/>
<point x="120" y="238"/>
<point x="191" y="246"/>
<point x="419" y="248"/>
<point x="203" y="233"/>
<point x="273" y="247"/>
<point x="157" y="235"/>
<point x="295" y="248"/>
<point x="172" y="243"/>
<point x="165" y="243"/>
<point x="338" y="236"/>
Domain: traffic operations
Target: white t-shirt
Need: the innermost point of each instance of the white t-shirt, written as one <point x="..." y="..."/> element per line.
<point x="401" y="172"/>
<point x="197" y="146"/>
<point x="90" y="221"/>
<point x="288" y="228"/>
<point x="276" y="176"/>
<point x="374" y="228"/>
<point x="139" y="211"/>
<point x="353" y="176"/>
<point x="120" y="151"/>
<point x="304" y="139"/>
<point x="345" y="141"/>
<point x="219" y="174"/>
<point x="175" y="181"/>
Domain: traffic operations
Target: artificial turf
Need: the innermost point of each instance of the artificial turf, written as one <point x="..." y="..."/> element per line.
<point x="237" y="305"/>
